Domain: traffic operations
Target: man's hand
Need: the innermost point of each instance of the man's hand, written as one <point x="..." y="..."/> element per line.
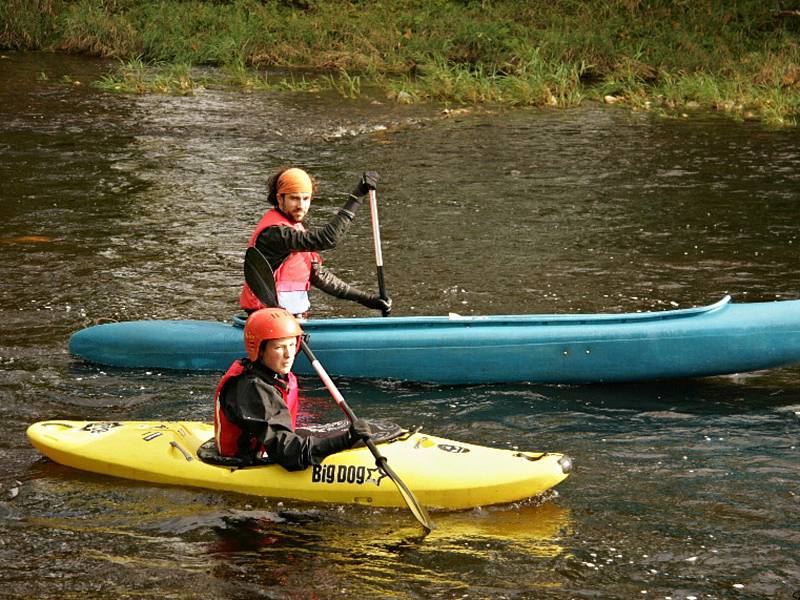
<point x="378" y="303"/>
<point x="368" y="181"/>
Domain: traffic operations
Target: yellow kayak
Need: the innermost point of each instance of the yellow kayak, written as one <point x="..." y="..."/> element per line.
<point x="441" y="473"/>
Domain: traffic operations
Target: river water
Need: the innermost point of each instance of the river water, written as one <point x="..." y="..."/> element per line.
<point x="120" y="207"/>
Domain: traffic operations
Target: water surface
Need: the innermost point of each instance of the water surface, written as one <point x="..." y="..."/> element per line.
<point x="120" y="207"/>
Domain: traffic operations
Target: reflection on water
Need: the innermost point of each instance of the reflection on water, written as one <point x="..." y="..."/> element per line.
<point x="131" y="528"/>
<point x="139" y="207"/>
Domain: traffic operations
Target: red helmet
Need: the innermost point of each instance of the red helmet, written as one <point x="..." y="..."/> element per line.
<point x="268" y="324"/>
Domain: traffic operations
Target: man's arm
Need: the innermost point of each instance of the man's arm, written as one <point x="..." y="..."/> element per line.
<point x="280" y="240"/>
<point x="323" y="279"/>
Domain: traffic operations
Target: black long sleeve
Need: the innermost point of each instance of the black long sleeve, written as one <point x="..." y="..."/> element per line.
<point x="276" y="243"/>
<point x="257" y="407"/>
<point x="323" y="279"/>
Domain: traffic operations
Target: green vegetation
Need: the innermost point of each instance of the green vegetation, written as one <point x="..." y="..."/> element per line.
<point x="137" y="77"/>
<point x="739" y="56"/>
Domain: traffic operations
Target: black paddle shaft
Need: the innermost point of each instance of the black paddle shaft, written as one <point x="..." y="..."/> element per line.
<point x="261" y="280"/>
<point x="414" y="506"/>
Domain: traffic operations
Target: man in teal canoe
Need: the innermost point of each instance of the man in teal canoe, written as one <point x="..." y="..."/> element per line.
<point x="293" y="251"/>
<point x="256" y="402"/>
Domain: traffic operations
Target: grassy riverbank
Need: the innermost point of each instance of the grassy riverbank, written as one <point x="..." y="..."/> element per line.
<point x="742" y="57"/>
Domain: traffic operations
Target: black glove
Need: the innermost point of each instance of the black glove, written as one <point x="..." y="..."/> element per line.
<point x="359" y="430"/>
<point x="369" y="181"/>
<point x="319" y="448"/>
<point x="377" y="303"/>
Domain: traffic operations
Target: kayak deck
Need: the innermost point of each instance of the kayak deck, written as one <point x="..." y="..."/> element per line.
<point x="442" y="474"/>
<point x="718" y="339"/>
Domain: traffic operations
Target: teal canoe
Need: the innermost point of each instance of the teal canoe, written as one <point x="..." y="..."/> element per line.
<point x="722" y="338"/>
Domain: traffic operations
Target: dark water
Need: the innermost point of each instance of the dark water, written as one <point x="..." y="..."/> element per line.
<point x="129" y="208"/>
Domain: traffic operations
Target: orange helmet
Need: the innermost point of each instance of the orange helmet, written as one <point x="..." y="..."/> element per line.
<point x="268" y="324"/>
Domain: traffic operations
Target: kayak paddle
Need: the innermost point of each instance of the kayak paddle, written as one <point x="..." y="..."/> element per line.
<point x="258" y="275"/>
<point x="376" y="236"/>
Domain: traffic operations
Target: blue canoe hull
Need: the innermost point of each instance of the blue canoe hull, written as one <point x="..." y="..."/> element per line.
<point x="719" y="339"/>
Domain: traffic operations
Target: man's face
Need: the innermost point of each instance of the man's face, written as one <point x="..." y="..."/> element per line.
<point x="294" y="205"/>
<point x="279" y="354"/>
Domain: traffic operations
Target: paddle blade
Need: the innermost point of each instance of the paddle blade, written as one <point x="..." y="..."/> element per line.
<point x="259" y="277"/>
<point x="419" y="512"/>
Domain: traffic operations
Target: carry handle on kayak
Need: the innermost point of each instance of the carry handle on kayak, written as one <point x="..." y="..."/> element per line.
<point x="259" y="277"/>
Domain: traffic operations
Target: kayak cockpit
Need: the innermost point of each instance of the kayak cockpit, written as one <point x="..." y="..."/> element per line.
<point x="382" y="432"/>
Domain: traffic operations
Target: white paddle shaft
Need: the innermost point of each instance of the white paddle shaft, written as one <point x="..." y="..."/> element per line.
<point x="373" y="209"/>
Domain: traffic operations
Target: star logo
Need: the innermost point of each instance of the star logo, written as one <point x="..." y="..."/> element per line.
<point x="371" y="476"/>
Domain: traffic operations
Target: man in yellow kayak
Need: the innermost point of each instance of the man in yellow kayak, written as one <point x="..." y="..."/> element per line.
<point x="293" y="251"/>
<point x="256" y="402"/>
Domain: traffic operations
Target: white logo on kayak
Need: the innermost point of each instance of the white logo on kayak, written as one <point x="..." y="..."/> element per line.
<point x="425" y="442"/>
<point x="100" y="427"/>
<point x="452" y="448"/>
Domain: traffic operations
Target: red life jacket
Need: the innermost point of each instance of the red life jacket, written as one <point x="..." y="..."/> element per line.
<point x="226" y="432"/>
<point x="293" y="275"/>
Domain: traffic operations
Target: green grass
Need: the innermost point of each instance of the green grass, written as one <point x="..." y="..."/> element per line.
<point x="137" y="77"/>
<point x="738" y="56"/>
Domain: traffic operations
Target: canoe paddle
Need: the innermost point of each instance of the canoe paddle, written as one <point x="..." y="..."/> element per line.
<point x="376" y="236"/>
<point x="258" y="275"/>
